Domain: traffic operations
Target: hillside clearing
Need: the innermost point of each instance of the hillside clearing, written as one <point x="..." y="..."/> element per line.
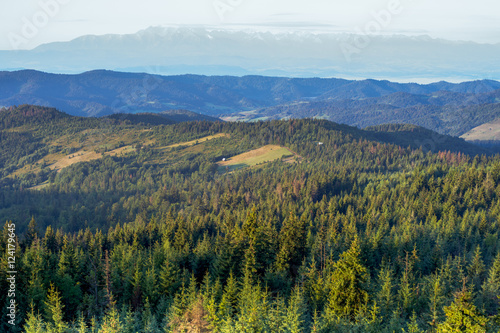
<point x="485" y="132"/>
<point x="86" y="156"/>
<point x="264" y="154"/>
<point x="193" y="142"/>
<point x="39" y="187"/>
<point x="79" y="156"/>
<point x="91" y="147"/>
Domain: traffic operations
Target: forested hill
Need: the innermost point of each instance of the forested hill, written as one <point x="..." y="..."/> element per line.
<point x="38" y="141"/>
<point x="30" y="115"/>
<point x="293" y="226"/>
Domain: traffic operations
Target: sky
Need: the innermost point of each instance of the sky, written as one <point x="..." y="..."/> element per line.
<point x="28" y="23"/>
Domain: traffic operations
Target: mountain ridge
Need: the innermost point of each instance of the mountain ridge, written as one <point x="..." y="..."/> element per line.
<point x="359" y="103"/>
<point x="196" y="50"/>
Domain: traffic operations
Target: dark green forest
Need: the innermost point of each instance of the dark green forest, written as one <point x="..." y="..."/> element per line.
<point x="365" y="232"/>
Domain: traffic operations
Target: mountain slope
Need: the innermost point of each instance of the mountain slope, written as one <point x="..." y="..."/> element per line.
<point x="486" y="132"/>
<point x="419" y="137"/>
<point x="443" y="112"/>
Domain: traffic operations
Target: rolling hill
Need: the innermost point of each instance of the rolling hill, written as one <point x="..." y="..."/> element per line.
<point x="38" y="142"/>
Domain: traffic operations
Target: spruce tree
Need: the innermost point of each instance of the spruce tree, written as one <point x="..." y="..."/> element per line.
<point x="34" y="322"/>
<point x="491" y="288"/>
<point x="348" y="292"/>
<point x="463" y="316"/>
<point x="54" y="311"/>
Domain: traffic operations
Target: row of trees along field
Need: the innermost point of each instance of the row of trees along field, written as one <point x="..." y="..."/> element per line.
<point x="360" y="236"/>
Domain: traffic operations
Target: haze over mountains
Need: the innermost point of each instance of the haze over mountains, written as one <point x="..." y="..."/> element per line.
<point x="183" y="50"/>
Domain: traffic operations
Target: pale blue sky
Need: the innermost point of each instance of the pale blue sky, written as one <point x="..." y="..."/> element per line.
<point x="28" y="23"/>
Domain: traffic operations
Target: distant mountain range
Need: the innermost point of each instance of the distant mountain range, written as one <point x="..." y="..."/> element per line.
<point x="444" y="107"/>
<point x="170" y="51"/>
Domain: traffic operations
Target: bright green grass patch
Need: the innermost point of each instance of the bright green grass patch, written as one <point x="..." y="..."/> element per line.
<point x="254" y="157"/>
